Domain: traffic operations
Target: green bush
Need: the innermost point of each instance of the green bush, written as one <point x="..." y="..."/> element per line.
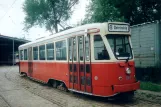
<point x="150" y="86"/>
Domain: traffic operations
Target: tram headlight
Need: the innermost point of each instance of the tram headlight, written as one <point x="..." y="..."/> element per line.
<point x="128" y="71"/>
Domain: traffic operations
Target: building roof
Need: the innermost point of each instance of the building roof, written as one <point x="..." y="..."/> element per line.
<point x="14" y="38"/>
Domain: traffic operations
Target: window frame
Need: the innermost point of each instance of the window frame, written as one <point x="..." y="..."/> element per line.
<point x="44" y="52"/>
<point x="33" y="53"/>
<point x="26" y="54"/>
<point x="75" y="54"/>
<point x="21" y="50"/>
<point x="88" y="47"/>
<point x="128" y="37"/>
<point x="53" y="50"/>
<point x="66" y="45"/>
<point x="78" y="48"/>
<point x="105" y="45"/>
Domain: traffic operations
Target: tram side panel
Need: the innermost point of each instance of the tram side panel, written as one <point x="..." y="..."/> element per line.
<point x="50" y="70"/>
<point x="62" y="72"/>
<point x="23" y="67"/>
<point x="23" y="64"/>
<point x="107" y="75"/>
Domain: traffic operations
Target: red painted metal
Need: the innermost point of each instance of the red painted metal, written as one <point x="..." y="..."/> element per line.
<point x="126" y="87"/>
<point x="107" y="83"/>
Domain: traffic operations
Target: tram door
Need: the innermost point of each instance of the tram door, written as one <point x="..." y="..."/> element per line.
<point x="30" y="64"/>
<point x="80" y="64"/>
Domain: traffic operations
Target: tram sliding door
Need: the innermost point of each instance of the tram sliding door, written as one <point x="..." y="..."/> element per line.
<point x="80" y="68"/>
<point x="73" y="71"/>
<point x="30" y="63"/>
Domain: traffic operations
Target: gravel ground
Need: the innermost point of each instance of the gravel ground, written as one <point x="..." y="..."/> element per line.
<point x="9" y="74"/>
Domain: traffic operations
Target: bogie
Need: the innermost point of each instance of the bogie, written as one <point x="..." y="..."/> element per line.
<point x="23" y="74"/>
<point x="58" y="84"/>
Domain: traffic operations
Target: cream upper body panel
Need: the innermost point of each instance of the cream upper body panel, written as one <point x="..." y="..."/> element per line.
<point x="81" y="30"/>
<point x="102" y="29"/>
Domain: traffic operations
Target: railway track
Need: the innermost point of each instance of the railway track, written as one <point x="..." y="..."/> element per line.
<point x="62" y="102"/>
<point x="7" y="104"/>
<point x="54" y="101"/>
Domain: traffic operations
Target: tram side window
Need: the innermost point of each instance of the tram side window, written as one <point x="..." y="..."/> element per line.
<point x="100" y="51"/>
<point x="74" y="49"/>
<point x="42" y="52"/>
<point x="50" y="51"/>
<point x="35" y="53"/>
<point x="80" y="40"/>
<point x="21" y="54"/>
<point x="87" y="47"/>
<point x="25" y="54"/>
<point x="70" y="48"/>
<point x="61" y="53"/>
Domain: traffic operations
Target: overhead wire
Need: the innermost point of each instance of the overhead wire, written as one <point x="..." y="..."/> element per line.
<point x="8" y="10"/>
<point x="7" y="13"/>
<point x="12" y="20"/>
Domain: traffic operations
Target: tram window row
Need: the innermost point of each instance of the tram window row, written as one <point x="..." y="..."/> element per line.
<point x="39" y="52"/>
<point x="47" y="52"/>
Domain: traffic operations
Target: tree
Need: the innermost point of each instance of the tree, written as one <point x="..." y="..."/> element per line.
<point x="130" y="11"/>
<point x="101" y="11"/>
<point x="48" y="13"/>
<point x="138" y="11"/>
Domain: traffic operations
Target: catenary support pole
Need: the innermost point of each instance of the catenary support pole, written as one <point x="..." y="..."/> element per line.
<point x="13" y="55"/>
<point x="159" y="18"/>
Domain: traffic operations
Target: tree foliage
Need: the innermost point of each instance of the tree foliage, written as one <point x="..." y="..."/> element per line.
<point x="101" y="11"/>
<point x="131" y="11"/>
<point x="138" y="11"/>
<point x="48" y="13"/>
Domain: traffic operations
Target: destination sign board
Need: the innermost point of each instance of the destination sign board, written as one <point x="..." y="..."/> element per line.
<point x="118" y="27"/>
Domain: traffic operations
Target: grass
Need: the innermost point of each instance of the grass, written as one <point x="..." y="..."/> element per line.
<point x="150" y="86"/>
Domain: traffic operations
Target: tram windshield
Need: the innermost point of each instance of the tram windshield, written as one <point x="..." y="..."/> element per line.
<point x="120" y="46"/>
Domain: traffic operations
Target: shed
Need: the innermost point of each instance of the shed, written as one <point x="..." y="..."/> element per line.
<point x="146" y="41"/>
<point x="8" y="46"/>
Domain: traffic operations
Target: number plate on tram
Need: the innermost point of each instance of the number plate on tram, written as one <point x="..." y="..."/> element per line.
<point x="127" y="77"/>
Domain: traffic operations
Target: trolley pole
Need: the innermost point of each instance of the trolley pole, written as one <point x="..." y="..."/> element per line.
<point x="13" y="52"/>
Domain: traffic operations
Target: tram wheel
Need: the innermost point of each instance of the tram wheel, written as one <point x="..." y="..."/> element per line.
<point x="23" y="74"/>
<point x="54" y="83"/>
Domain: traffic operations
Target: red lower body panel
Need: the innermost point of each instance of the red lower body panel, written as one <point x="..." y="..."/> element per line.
<point x="126" y="87"/>
<point x="103" y="78"/>
<point x="102" y="91"/>
<point x="110" y="91"/>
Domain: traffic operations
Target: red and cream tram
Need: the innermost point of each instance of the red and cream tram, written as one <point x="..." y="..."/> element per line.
<point x="94" y="59"/>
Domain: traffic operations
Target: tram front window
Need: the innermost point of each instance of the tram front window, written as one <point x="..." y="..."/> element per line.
<point x="100" y="51"/>
<point x="120" y="46"/>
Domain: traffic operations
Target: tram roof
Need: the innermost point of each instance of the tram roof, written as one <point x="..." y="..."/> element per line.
<point x="72" y="30"/>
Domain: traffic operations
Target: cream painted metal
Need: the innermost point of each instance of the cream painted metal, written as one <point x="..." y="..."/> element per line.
<point x="92" y="29"/>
